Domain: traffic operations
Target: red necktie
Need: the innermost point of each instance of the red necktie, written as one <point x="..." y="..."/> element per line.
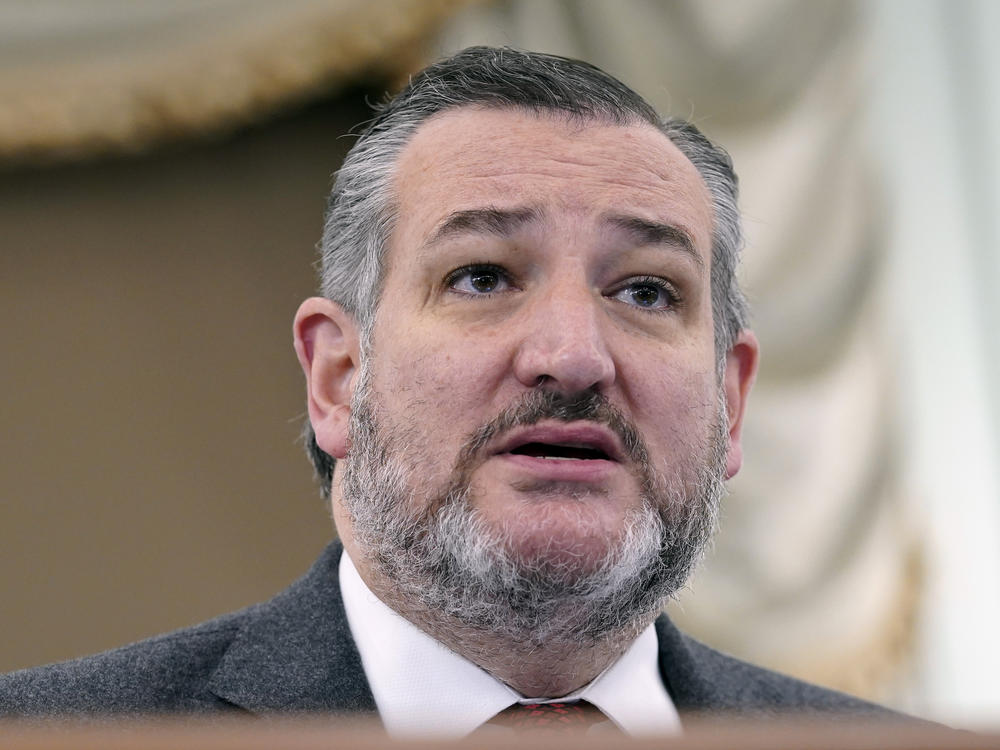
<point x="551" y="718"/>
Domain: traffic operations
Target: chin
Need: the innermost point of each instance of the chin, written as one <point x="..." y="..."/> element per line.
<point x="563" y="538"/>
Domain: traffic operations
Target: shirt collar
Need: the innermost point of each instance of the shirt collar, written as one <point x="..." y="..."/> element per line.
<point x="422" y="688"/>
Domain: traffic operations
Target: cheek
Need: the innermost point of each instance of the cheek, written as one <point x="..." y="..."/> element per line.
<point x="440" y="384"/>
<point x="674" y="410"/>
<point x="437" y="372"/>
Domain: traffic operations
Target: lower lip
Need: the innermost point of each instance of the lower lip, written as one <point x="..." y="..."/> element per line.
<point x="561" y="470"/>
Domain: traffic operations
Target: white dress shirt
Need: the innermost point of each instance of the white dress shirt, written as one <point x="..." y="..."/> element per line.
<point x="422" y="688"/>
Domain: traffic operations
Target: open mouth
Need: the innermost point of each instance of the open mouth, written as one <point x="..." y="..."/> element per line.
<point x="558" y="452"/>
<point x="572" y="447"/>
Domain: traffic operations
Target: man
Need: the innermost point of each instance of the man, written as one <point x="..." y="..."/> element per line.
<point x="526" y="379"/>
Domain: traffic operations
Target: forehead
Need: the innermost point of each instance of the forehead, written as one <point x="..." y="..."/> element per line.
<point x="472" y="158"/>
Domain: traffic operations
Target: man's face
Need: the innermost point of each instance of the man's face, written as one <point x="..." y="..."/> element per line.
<point x="535" y="253"/>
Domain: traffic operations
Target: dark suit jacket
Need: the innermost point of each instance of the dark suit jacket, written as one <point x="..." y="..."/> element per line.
<point x="295" y="654"/>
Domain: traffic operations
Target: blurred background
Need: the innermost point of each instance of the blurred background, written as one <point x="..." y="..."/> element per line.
<point x="163" y="171"/>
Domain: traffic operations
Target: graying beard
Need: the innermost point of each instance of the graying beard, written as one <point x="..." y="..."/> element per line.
<point x="447" y="559"/>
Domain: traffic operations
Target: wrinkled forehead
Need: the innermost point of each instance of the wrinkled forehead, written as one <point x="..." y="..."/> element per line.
<point x="470" y="157"/>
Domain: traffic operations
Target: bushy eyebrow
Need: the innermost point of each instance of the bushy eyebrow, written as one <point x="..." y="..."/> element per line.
<point x="504" y="222"/>
<point x="491" y="221"/>
<point x="646" y="232"/>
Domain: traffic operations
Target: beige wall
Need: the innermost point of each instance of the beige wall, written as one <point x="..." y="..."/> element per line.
<point x="150" y="474"/>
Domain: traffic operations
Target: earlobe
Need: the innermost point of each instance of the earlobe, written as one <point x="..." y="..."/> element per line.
<point x="328" y="348"/>
<point x="741" y="371"/>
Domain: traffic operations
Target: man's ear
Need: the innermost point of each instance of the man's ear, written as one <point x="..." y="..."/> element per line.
<point x="741" y="370"/>
<point x="327" y="344"/>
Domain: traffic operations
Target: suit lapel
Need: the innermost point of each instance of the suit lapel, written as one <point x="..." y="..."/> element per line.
<point x="691" y="684"/>
<point x="295" y="653"/>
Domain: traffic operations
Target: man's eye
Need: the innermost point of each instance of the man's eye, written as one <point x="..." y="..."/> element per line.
<point x="479" y="280"/>
<point x="649" y="294"/>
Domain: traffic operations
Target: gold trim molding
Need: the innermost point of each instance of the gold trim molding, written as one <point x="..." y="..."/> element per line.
<point x="84" y="77"/>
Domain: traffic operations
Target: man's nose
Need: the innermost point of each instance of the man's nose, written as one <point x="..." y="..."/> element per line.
<point x="564" y="343"/>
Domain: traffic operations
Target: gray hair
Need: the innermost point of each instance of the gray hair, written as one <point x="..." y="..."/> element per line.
<point x="362" y="207"/>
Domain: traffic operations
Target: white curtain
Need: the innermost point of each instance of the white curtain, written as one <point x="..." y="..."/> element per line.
<point x="935" y="119"/>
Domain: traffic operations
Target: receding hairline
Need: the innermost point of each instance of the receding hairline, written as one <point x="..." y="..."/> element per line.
<point x="581" y="119"/>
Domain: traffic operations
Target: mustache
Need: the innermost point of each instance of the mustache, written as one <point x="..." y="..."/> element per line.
<point x="539" y="405"/>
